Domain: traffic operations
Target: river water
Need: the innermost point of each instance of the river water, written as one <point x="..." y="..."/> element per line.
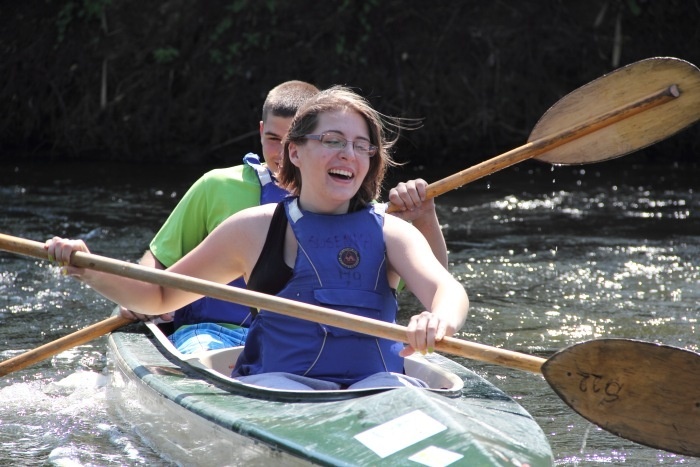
<point x="550" y="257"/>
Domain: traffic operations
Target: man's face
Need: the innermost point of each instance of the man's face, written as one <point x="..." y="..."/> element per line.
<point x="272" y="132"/>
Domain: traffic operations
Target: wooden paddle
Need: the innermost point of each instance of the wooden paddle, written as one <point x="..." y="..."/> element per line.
<point x="626" y="110"/>
<point x="641" y="391"/>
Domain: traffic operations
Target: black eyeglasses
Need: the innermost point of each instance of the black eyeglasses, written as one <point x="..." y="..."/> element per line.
<point x="333" y="141"/>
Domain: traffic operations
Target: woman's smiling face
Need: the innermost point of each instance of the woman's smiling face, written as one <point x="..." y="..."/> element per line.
<point x="331" y="177"/>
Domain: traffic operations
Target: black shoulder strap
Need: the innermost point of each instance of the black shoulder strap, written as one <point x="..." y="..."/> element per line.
<point x="270" y="273"/>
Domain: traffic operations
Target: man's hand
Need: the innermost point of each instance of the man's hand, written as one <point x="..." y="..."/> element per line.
<point x="409" y="198"/>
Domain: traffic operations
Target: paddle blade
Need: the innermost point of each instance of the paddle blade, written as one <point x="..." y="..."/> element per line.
<point x="644" y="392"/>
<point x="617" y="89"/>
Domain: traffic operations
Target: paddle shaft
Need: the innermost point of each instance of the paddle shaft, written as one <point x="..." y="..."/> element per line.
<point x="64" y="343"/>
<point x="542" y="145"/>
<point x="279" y="305"/>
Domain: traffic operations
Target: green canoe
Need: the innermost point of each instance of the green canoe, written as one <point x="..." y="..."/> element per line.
<point x="192" y="414"/>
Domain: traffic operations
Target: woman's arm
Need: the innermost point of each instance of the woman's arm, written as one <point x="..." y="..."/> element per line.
<point x="227" y="253"/>
<point x="445" y="299"/>
<point x="136" y="295"/>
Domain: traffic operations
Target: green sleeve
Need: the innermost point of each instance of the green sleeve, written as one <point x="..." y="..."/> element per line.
<point x="401" y="286"/>
<point x="210" y="200"/>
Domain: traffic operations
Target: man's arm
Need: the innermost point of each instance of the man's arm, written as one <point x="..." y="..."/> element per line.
<point x="151" y="261"/>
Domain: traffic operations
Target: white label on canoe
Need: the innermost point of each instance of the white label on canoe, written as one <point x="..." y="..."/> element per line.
<point x="399" y="433"/>
<point x="433" y="456"/>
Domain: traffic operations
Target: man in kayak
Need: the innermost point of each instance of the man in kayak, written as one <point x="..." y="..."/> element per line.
<point x="328" y="244"/>
<point x="209" y="323"/>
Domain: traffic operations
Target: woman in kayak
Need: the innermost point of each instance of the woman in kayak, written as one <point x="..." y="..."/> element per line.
<point x="327" y="245"/>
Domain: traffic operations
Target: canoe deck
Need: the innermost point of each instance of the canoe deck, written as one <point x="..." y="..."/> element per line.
<point x="193" y="416"/>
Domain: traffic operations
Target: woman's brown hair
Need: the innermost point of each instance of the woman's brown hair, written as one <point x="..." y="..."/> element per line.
<point x="331" y="100"/>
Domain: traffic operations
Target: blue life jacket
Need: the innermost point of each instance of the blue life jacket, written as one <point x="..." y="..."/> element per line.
<point x="269" y="191"/>
<point x="340" y="264"/>
<point x="212" y="310"/>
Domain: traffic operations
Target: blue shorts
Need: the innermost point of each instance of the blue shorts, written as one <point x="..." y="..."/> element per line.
<point x="207" y="336"/>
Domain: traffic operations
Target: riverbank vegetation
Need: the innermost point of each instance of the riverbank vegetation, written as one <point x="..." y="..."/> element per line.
<point x="183" y="81"/>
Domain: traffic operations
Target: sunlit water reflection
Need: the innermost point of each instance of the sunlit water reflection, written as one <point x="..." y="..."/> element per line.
<point x="549" y="257"/>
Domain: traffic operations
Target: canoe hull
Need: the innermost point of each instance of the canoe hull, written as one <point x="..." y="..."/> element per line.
<point x="192" y="419"/>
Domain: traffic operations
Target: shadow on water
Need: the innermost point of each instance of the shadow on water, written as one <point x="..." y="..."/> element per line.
<point x="550" y="257"/>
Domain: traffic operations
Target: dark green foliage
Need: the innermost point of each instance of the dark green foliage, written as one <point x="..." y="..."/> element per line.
<point x="184" y="80"/>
